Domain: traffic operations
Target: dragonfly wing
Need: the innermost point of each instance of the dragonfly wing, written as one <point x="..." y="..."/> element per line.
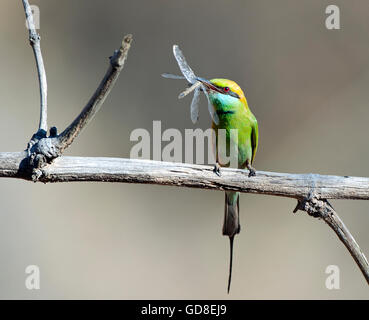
<point x="189" y="90"/>
<point x="183" y="65"/>
<point x="195" y="105"/>
<point x="172" y="76"/>
<point x="211" y="109"/>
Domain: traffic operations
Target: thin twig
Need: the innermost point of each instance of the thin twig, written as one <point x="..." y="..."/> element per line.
<point x="98" y="98"/>
<point x="334" y="221"/>
<point x="34" y="39"/>
<point x="324" y="210"/>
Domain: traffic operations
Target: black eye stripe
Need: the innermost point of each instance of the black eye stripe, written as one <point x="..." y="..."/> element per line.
<point x="230" y="92"/>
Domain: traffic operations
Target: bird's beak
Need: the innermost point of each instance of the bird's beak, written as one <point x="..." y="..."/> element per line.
<point x="208" y="85"/>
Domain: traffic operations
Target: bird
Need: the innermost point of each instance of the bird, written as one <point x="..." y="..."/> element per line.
<point x="229" y="111"/>
<point x="230" y="104"/>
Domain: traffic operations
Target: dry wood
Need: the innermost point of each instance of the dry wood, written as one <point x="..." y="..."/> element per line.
<point x="42" y="162"/>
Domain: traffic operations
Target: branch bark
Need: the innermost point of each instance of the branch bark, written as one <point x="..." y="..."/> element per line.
<point x="34" y="39"/>
<point x="310" y="190"/>
<point x="298" y="186"/>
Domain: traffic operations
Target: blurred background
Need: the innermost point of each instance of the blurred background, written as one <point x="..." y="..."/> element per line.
<point x="307" y="86"/>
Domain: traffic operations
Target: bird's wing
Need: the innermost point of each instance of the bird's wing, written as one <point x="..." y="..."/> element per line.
<point x="254" y="138"/>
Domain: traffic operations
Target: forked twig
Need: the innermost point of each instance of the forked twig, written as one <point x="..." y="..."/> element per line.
<point x="34" y="39"/>
<point x="324" y="210"/>
<point x="98" y="98"/>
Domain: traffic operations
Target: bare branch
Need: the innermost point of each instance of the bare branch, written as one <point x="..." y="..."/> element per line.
<point x="42" y="150"/>
<point x="98" y="98"/>
<point x="333" y="220"/>
<point x="308" y="189"/>
<point x="34" y="39"/>
<point x="324" y="210"/>
<point x="298" y="186"/>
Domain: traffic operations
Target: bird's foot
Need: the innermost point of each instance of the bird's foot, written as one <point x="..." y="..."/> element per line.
<point x="217" y="169"/>
<point x="252" y="171"/>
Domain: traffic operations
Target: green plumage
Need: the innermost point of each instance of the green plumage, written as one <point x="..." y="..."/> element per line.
<point x="231" y="106"/>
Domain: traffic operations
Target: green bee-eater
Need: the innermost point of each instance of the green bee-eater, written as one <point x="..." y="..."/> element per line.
<point x="229" y="111"/>
<point x="233" y="112"/>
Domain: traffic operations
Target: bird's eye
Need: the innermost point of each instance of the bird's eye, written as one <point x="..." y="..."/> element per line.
<point x="226" y="89"/>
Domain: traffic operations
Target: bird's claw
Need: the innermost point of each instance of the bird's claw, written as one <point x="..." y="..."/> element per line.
<point x="252" y="171"/>
<point x="217" y="169"/>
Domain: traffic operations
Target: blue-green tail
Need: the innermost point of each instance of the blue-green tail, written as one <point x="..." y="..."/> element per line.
<point x="231" y="225"/>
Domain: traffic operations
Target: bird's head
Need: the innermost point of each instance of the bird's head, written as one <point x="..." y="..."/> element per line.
<point x="224" y="92"/>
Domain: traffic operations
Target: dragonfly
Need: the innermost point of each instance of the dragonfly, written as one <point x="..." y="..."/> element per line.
<point x="196" y="86"/>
